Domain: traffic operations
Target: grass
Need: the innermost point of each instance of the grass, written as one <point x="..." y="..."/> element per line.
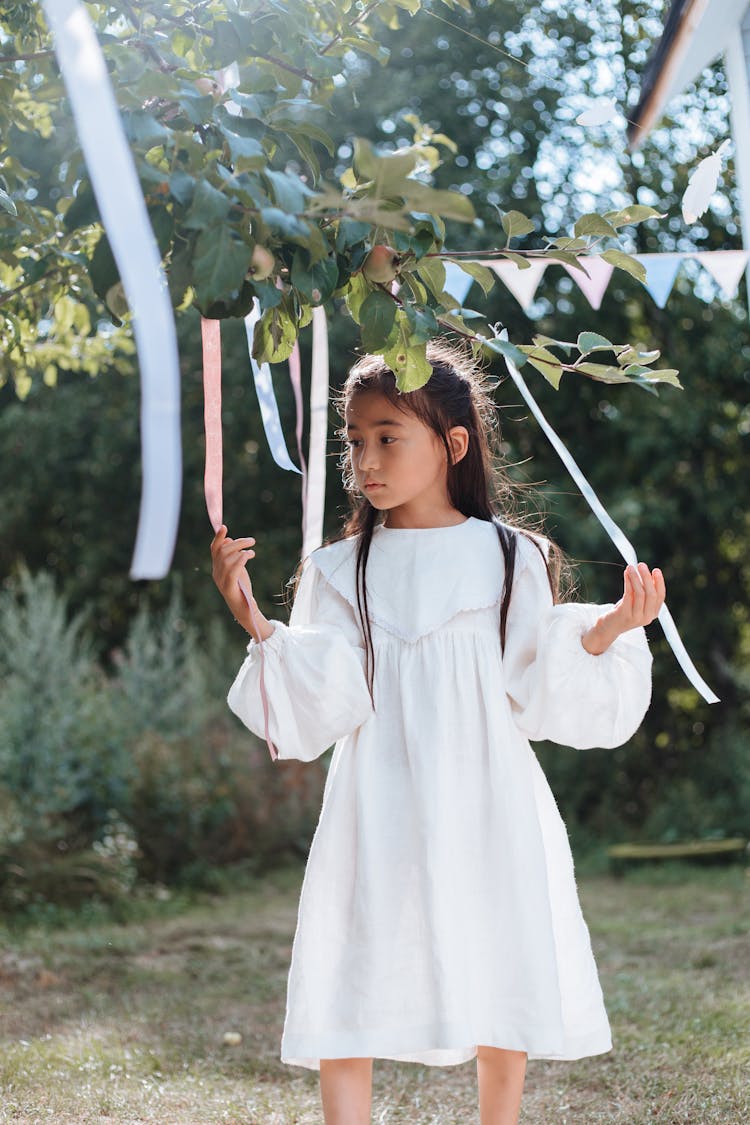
<point x="106" y="1022"/>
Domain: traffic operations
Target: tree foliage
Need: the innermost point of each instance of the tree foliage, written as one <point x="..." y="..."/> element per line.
<point x="228" y="110"/>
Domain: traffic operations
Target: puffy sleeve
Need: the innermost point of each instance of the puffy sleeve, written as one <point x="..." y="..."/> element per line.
<point x="314" y="674"/>
<point x="559" y="691"/>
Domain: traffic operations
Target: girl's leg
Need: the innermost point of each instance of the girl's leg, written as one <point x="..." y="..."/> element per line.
<point x="346" y="1091"/>
<point x="500" y="1077"/>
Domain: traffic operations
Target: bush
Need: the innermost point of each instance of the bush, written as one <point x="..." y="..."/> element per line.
<point x="143" y="771"/>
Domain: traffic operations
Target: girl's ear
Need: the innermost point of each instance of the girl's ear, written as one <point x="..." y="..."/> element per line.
<point x="458" y="438"/>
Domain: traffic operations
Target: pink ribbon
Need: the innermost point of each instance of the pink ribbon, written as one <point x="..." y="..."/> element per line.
<point x="212" y="478"/>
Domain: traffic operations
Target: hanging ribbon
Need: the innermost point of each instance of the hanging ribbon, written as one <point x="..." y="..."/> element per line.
<point x="269" y="409"/>
<point x="213" y="478"/>
<point x="295" y="376"/>
<point x="125" y="219"/>
<point x="623" y="544"/>
<point x="316" y="483"/>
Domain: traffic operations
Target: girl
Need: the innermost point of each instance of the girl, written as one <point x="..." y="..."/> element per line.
<point x="439" y="918"/>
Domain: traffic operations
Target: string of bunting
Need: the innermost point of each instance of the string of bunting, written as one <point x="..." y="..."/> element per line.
<point x="725" y="267"/>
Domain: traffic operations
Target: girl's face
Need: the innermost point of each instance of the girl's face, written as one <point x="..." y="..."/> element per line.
<point x="399" y="463"/>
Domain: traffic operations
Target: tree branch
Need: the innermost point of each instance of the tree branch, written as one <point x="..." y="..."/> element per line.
<point x="337" y="38"/>
<point x="26" y="58"/>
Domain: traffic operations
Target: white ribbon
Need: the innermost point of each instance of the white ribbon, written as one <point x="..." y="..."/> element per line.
<point x="123" y="211"/>
<point x="620" y="540"/>
<point x="316" y="460"/>
<point x="269" y="409"/>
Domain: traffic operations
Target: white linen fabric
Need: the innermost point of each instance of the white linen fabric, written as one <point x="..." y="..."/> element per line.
<point x="439" y="908"/>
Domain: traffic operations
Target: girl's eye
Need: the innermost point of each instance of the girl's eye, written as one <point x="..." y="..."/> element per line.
<point x="354" y="442"/>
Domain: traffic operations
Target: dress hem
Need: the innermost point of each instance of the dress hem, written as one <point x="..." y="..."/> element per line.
<point x="303" y="1053"/>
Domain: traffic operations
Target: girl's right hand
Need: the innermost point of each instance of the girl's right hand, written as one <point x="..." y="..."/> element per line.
<point x="230" y="557"/>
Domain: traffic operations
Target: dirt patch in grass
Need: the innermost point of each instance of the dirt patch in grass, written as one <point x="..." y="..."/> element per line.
<point x="127" y="1023"/>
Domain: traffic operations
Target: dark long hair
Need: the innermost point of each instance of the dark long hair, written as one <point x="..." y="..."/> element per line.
<point x="458" y="393"/>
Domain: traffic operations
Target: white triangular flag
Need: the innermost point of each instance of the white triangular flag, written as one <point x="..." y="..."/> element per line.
<point x="523" y="284"/>
<point x="598" y="113"/>
<point x="702" y="184"/>
<point x="726" y="268"/>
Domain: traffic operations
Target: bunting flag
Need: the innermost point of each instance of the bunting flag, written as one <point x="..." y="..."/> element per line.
<point x="593" y="286"/>
<point x="726" y="268"/>
<point x="123" y="212"/>
<point x="618" y="537"/>
<point x="523" y="284"/>
<point x="661" y="271"/>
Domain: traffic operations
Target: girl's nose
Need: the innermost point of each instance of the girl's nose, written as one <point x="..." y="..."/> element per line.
<point x="367" y="457"/>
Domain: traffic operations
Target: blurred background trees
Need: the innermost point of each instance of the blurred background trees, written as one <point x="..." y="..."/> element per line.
<point x="671" y="468"/>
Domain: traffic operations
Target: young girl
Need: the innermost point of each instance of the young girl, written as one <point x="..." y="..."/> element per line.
<point x="439" y="918"/>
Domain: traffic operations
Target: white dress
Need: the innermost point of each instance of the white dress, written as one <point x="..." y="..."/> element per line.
<point x="439" y="908"/>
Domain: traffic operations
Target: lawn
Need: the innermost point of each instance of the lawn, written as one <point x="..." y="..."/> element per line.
<point x="126" y="1023"/>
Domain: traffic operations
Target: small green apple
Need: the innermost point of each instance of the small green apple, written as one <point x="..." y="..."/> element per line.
<point x="381" y="265"/>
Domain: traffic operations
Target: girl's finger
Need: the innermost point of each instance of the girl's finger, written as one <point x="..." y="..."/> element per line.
<point x="219" y="537"/>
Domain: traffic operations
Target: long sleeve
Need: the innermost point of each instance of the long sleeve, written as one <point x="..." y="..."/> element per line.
<point x="314" y="674"/>
<point x="559" y="691"/>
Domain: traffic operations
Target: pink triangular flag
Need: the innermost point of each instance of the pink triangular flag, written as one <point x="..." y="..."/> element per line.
<point x="523" y="284"/>
<point x="726" y="267"/>
<point x="595" y="285"/>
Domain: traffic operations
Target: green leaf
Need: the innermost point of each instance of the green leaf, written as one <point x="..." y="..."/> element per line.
<point x="289" y="192"/>
<point x="432" y="273"/>
<point x="315" y="281"/>
<point x="482" y="274"/>
<point x="520" y="261"/>
<point x="601" y="372"/>
<point x="593" y="224"/>
<point x="219" y="265"/>
<point x="638" y="373"/>
<point x="563" y="256"/>
<point x="593" y="342"/>
<point x="448" y="204"/>
<point x="410" y="366"/>
<point x="181" y="187"/>
<point x="349" y="233"/>
<point x="377" y="316"/>
<point x="629" y="354"/>
<point x="507" y="349"/>
<point x="623" y="261"/>
<point x="7" y="203"/>
<point x="515" y="223"/>
<point x="564" y="344"/>
<point x="545" y="362"/>
<point x="143" y="129"/>
<point x="209" y="206"/>
<point x="83" y="211"/>
<point x="356" y="293"/>
<point x="275" y="336"/>
<point x="630" y="216"/>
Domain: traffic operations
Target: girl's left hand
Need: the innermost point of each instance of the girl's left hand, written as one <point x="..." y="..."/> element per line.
<point x="643" y="596"/>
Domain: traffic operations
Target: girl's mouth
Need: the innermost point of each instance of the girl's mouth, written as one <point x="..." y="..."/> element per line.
<point x="373" y="484"/>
